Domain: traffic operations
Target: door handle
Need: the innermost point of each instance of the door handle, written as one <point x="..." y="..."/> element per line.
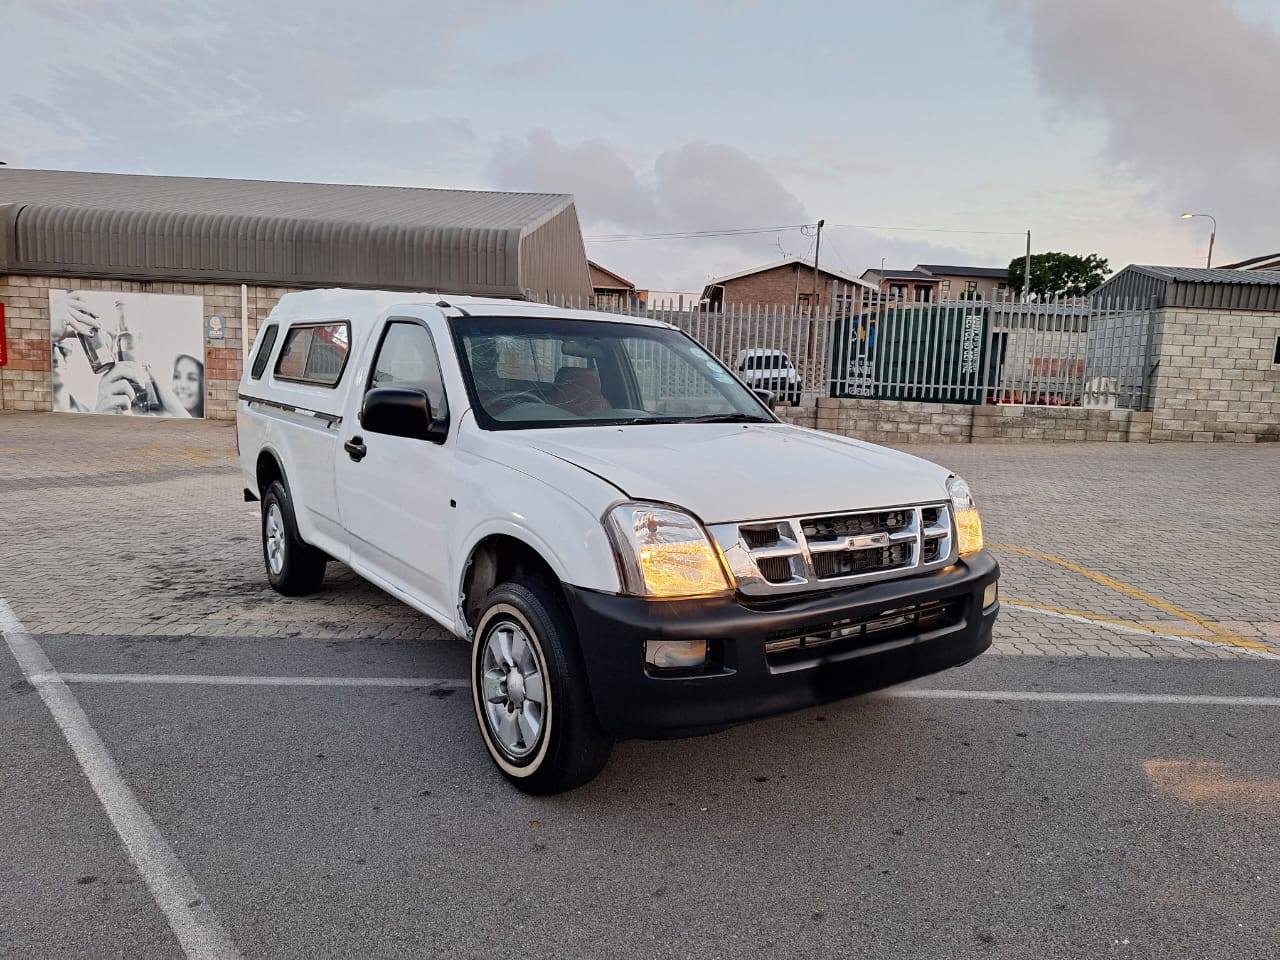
<point x="355" y="448"/>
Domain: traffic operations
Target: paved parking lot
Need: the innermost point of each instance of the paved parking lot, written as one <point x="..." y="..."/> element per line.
<point x="1106" y="782"/>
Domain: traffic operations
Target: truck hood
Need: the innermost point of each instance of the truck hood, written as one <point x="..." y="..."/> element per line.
<point x="733" y="472"/>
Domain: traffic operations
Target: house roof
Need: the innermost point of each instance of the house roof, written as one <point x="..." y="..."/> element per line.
<point x="1218" y="288"/>
<point x="1207" y="275"/>
<point x="68" y="223"/>
<point x="1267" y="262"/>
<point x="786" y="261"/>
<point x="947" y="270"/>
<point x="623" y="282"/>
<point x="901" y="274"/>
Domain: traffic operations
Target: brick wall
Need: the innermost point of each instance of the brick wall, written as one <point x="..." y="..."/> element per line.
<point x="778" y="286"/>
<point x="1217" y="379"/>
<point x="895" y="422"/>
<point x="25" y="384"/>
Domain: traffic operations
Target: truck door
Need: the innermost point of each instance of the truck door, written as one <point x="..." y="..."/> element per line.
<point x="394" y="491"/>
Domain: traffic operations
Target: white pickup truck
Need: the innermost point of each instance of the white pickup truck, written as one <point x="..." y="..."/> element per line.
<point x="627" y="537"/>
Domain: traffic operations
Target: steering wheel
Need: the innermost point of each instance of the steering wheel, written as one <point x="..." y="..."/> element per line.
<point x="509" y="400"/>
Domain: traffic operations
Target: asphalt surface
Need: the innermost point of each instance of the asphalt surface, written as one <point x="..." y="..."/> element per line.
<point x="363" y="821"/>
<point x="366" y="821"/>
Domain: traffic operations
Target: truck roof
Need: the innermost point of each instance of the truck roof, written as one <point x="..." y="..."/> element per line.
<point x="366" y="305"/>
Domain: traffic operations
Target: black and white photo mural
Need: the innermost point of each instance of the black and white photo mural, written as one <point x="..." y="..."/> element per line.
<point x="131" y="354"/>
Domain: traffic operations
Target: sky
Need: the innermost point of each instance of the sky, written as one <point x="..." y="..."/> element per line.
<point x="933" y="131"/>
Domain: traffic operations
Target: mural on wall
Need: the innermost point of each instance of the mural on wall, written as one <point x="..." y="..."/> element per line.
<point x="131" y="354"/>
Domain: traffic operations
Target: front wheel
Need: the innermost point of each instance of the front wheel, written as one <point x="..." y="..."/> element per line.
<point x="530" y="693"/>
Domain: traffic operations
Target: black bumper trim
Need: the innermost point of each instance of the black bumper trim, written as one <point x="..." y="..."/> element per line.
<point x="741" y="685"/>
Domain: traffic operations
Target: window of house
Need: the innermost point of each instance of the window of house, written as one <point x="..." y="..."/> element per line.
<point x="407" y="358"/>
<point x="264" y="351"/>
<point x="946" y="286"/>
<point x="802" y="303"/>
<point x="923" y="294"/>
<point x="898" y="291"/>
<point x="315" y="353"/>
<point x="971" y="287"/>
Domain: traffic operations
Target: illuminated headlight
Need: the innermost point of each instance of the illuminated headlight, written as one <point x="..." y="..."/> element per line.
<point x="664" y="552"/>
<point x="968" y="523"/>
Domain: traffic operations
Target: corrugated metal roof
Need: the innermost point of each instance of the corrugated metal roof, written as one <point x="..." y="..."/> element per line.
<point x="67" y="223"/>
<point x="1207" y="275"/>
<point x="1216" y="289"/>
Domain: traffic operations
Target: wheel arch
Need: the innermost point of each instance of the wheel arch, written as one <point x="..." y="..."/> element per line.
<point x="267" y="469"/>
<point x="497" y="557"/>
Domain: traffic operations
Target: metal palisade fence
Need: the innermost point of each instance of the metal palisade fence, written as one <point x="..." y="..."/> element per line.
<point x="1078" y="352"/>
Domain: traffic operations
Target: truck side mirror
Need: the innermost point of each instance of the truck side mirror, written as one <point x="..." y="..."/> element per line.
<point x="402" y="412"/>
<point x="765" y="397"/>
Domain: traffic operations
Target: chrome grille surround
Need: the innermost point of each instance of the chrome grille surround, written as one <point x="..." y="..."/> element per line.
<point x="824" y="551"/>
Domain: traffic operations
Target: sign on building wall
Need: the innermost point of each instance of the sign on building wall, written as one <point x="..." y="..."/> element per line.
<point x="138" y="354"/>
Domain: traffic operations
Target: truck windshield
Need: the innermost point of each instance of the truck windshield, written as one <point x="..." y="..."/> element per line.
<point x="543" y="372"/>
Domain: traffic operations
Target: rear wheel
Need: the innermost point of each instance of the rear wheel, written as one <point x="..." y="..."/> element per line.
<point x="530" y="693"/>
<point x="294" y="568"/>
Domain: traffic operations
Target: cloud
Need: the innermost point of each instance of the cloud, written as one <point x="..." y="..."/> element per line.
<point x="609" y="192"/>
<point x="1186" y="91"/>
<point x="694" y="186"/>
<point x="268" y="89"/>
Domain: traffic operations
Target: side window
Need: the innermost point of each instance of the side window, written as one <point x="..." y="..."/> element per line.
<point x="407" y="358"/>
<point x="264" y="351"/>
<point x="315" y="353"/>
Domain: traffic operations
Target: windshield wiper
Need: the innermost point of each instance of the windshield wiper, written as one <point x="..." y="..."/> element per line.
<point x="723" y="418"/>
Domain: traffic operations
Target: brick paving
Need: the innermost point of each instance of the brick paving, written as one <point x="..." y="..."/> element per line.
<point x="116" y="528"/>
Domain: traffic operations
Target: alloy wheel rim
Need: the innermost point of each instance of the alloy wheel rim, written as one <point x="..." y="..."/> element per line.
<point x="512" y="689"/>
<point x="275" y="539"/>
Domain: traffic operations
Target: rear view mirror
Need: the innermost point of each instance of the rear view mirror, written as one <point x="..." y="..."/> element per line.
<point x="402" y="412"/>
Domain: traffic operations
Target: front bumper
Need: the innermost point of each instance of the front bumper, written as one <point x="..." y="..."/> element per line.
<point x="745" y="677"/>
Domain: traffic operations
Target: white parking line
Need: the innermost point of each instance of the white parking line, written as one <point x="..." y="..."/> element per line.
<point x="899" y="693"/>
<point x="1142" y="631"/>
<point x="234" y="680"/>
<point x="1045" y="696"/>
<point x="198" y="930"/>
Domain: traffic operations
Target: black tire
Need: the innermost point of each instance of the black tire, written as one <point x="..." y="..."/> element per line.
<point x="300" y="567"/>
<point x="569" y="748"/>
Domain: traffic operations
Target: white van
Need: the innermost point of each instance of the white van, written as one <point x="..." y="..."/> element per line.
<point x="771" y="371"/>
<point x="630" y="541"/>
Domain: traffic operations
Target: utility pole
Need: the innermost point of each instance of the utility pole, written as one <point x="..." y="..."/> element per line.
<point x="813" y="295"/>
<point x="1026" y="272"/>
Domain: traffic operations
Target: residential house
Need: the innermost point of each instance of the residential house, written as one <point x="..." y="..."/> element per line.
<point x="791" y="281"/>
<point x="913" y="286"/>
<point x="612" y="291"/>
<point x="969" y="283"/>
<point x="1270" y="261"/>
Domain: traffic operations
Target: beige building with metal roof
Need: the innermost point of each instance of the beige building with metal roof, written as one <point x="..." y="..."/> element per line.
<point x="170" y="252"/>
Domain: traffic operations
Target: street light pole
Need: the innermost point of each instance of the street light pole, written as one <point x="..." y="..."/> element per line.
<point x="1208" y="261"/>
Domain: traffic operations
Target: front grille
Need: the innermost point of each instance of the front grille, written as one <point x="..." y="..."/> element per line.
<point x="825" y="639"/>
<point x="796" y="553"/>
<point x="775" y="569"/>
<point x="826" y="529"/>
<point x="848" y="563"/>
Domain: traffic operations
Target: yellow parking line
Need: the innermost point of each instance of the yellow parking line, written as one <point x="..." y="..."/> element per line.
<point x="1102" y="618"/>
<point x="1216" y="633"/>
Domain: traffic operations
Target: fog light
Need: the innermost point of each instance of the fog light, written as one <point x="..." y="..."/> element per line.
<point x="991" y="594"/>
<point x="675" y="654"/>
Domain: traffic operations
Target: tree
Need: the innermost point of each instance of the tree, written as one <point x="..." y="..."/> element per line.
<point x="1059" y="274"/>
